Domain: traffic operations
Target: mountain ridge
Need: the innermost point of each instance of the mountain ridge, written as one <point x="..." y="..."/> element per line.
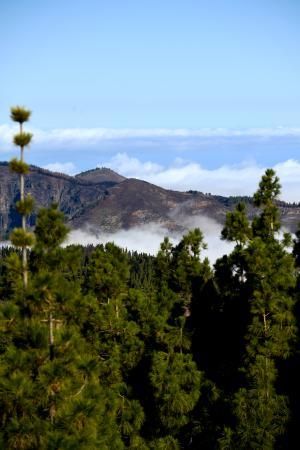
<point x="108" y="201"/>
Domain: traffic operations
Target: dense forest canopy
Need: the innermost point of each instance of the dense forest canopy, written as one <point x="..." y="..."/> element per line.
<point x="106" y="349"/>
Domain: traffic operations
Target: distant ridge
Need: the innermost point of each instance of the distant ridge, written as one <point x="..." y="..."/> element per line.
<point x="105" y="200"/>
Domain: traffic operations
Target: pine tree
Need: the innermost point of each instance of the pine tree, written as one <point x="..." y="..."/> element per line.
<point x="175" y="379"/>
<point x="116" y="339"/>
<point x="237" y="228"/>
<point x="268" y="271"/>
<point x="176" y="385"/>
<point x="50" y="395"/>
<point x="20" y="237"/>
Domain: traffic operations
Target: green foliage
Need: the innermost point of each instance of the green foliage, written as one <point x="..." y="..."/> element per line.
<point x="108" y="272"/>
<point x="186" y="265"/>
<point x="50" y="374"/>
<point x="166" y="443"/>
<point x="262" y="413"/>
<point x="19" y="114"/>
<point x="272" y="275"/>
<point x="176" y="384"/>
<point x="25" y="207"/>
<point x="22" y="139"/>
<point x="269" y="189"/>
<point x="269" y="274"/>
<point x="237" y="227"/>
<point x="50" y="229"/>
<point x="268" y="222"/>
<point x="18" y="166"/>
<point x="21" y="238"/>
<point x="296" y="247"/>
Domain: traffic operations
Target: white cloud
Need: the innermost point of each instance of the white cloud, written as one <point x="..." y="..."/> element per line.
<point x="68" y="167"/>
<point x="147" y="238"/>
<point x="132" y="167"/>
<point x="72" y="137"/>
<point x="123" y="133"/>
<point x="225" y="180"/>
<point x="6" y="136"/>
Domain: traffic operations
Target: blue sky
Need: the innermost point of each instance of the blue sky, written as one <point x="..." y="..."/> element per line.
<point x="85" y="66"/>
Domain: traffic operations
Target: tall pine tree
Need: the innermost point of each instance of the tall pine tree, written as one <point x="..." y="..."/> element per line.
<point x="20" y="237"/>
<point x="268" y="270"/>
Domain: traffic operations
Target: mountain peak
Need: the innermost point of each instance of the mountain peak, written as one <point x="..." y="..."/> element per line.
<point x="100" y="175"/>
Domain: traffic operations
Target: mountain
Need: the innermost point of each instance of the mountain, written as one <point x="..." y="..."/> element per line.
<point x="100" y="175"/>
<point x="105" y="200"/>
<point x="134" y="202"/>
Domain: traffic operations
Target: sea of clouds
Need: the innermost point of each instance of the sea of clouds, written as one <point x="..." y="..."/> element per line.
<point x="147" y="238"/>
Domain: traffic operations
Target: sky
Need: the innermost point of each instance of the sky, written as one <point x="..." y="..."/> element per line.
<point x="187" y="94"/>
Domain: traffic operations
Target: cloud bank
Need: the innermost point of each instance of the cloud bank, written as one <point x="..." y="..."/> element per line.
<point x="74" y="137"/>
<point x="147" y="238"/>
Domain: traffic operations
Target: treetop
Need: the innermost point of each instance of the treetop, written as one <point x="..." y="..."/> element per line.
<point x="19" y="114"/>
